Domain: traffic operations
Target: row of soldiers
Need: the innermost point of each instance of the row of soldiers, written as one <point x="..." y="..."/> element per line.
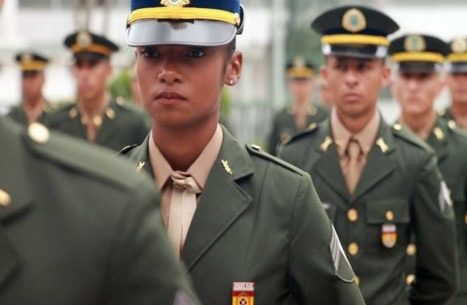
<point x="95" y="116"/>
<point x="248" y="227"/>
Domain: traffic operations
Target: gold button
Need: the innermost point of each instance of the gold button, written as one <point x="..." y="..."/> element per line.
<point x="39" y="133"/>
<point x="97" y="121"/>
<point x="73" y="113"/>
<point x="352" y="215"/>
<point x="397" y="126"/>
<point x="312" y="126"/>
<point x="390" y="215"/>
<point x="411" y="249"/>
<point x="357" y="280"/>
<point x="5" y="199"/>
<point x="352" y="249"/>
<point x="452" y="124"/>
<point x="410" y="279"/>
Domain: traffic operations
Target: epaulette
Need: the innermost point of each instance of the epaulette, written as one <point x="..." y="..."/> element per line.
<point x="125" y="150"/>
<point x="77" y="154"/>
<point x="257" y="151"/>
<point x="408" y="136"/>
<point x="310" y="130"/>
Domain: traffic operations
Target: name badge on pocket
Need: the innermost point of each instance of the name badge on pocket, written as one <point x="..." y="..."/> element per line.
<point x="243" y="293"/>
<point x="389" y="235"/>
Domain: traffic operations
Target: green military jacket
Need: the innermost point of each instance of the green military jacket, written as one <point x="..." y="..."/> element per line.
<point x="122" y="125"/>
<point x="78" y="226"/>
<point x="260" y="221"/>
<point x="17" y="114"/>
<point x="450" y="146"/>
<point x="284" y="126"/>
<point x="399" y="192"/>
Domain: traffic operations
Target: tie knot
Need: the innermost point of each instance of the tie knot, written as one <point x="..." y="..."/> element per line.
<point x="353" y="148"/>
<point x="185" y="182"/>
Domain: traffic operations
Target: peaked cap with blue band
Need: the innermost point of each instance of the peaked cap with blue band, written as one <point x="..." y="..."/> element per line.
<point x="184" y="22"/>
<point x="354" y="31"/>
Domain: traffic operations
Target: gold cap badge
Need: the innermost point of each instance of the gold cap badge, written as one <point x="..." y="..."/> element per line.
<point x="176" y="3"/>
<point x="414" y="43"/>
<point x="84" y="39"/>
<point x="26" y="57"/>
<point x="354" y="20"/>
<point x="459" y="45"/>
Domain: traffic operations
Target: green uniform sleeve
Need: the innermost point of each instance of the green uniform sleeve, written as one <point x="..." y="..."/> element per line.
<point x="436" y="270"/>
<point x="319" y="270"/>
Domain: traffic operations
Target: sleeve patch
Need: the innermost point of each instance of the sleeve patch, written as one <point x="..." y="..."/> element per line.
<point x="342" y="268"/>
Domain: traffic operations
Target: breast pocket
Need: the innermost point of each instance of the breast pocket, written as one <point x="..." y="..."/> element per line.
<point x="387" y="225"/>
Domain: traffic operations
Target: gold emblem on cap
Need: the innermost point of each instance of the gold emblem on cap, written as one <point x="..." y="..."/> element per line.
<point x="354" y="21"/>
<point x="84" y="39"/>
<point x="39" y="133"/>
<point x="5" y="199"/>
<point x="459" y="45"/>
<point x="414" y="43"/>
<point x="299" y="62"/>
<point x="26" y="57"/>
<point x="178" y="3"/>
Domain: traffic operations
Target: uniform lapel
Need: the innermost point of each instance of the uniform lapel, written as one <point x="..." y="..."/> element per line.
<point x="327" y="164"/>
<point x="438" y="141"/>
<point x="140" y="155"/>
<point x="15" y="183"/>
<point x="222" y="201"/>
<point x="379" y="163"/>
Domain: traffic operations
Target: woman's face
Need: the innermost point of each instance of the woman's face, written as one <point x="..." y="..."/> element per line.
<point x="181" y="85"/>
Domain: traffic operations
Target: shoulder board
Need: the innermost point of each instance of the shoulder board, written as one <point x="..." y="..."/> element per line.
<point x="125" y="150"/>
<point x="77" y="154"/>
<point x="310" y="130"/>
<point x="257" y="151"/>
<point x="409" y="137"/>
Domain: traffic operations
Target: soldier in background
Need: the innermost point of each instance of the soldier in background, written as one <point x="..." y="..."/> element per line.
<point x="96" y="117"/>
<point x="33" y="107"/>
<point x="378" y="183"/>
<point x="417" y="82"/>
<point x="301" y="112"/>
<point x="457" y="82"/>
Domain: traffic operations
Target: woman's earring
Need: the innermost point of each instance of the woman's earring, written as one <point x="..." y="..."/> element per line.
<point x="231" y="82"/>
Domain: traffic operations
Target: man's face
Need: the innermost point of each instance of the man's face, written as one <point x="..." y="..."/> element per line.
<point x="354" y="84"/>
<point x="301" y="88"/>
<point x="457" y="83"/>
<point x="416" y="91"/>
<point x="91" y="77"/>
<point x="32" y="83"/>
<point x="181" y="85"/>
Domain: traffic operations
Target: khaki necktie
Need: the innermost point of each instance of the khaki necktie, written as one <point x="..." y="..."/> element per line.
<point x="354" y="154"/>
<point x="182" y="207"/>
